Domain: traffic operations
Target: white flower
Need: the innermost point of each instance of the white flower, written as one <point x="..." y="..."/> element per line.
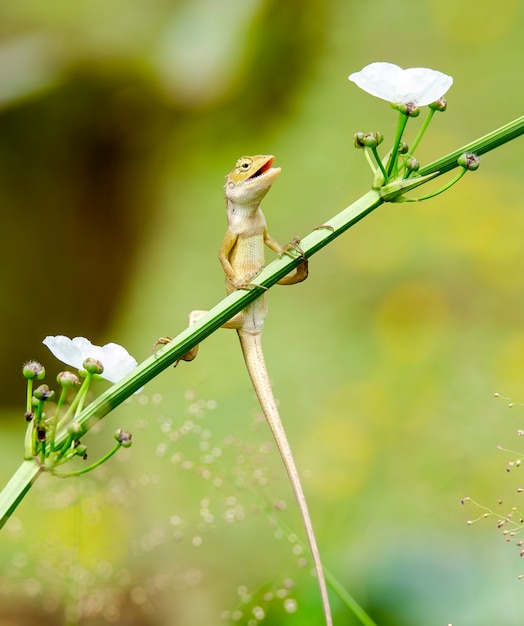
<point x="416" y="85"/>
<point x="117" y="362"/>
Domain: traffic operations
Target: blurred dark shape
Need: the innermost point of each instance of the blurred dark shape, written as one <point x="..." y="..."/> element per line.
<point x="76" y="195"/>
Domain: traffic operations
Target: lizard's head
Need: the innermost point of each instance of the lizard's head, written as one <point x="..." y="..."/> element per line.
<point x="251" y="179"/>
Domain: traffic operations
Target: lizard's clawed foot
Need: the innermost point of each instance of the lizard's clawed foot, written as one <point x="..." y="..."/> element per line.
<point x="293" y="245"/>
<point x="161" y="341"/>
<point x="294" y="250"/>
<point x="245" y="282"/>
<point x="194" y="316"/>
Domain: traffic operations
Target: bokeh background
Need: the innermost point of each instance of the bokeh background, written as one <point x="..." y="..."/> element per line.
<point x="118" y="122"/>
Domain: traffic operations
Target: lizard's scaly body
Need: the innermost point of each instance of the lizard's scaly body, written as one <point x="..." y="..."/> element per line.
<point x="242" y="257"/>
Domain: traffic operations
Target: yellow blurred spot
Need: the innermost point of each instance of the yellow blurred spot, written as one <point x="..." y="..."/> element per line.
<point x="410" y="320"/>
<point x="479" y="22"/>
<point x="341" y="446"/>
<point x="508" y="366"/>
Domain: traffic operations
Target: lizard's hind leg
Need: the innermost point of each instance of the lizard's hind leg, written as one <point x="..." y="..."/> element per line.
<point x="194" y="316"/>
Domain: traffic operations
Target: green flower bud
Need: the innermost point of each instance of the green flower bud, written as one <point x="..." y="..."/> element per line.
<point x="123" y="437"/>
<point x="93" y="366"/>
<point x="81" y="450"/>
<point x="439" y="105"/>
<point x="372" y="140"/>
<point x="43" y="393"/>
<point x="368" y="140"/>
<point x="409" y="108"/>
<point x="67" y="379"/>
<point x="412" y="164"/>
<point x="469" y="161"/>
<point x="403" y="147"/>
<point x="358" y="140"/>
<point x="33" y="369"/>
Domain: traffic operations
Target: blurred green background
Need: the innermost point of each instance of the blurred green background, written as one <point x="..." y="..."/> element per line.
<point x="118" y="122"/>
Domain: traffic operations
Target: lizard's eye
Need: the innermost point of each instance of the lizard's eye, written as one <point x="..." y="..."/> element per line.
<point x="244" y="165"/>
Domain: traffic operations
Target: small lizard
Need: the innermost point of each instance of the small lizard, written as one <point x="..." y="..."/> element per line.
<point x="242" y="258"/>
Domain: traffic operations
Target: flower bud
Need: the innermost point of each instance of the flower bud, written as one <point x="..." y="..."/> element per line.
<point x="33" y="369"/>
<point x="123" y="437"/>
<point x="439" y="105"/>
<point x="67" y="379"/>
<point x="358" y="140"/>
<point x="29" y="415"/>
<point x="81" y="450"/>
<point x="408" y="108"/>
<point x="469" y="161"/>
<point x="93" y="366"/>
<point x="372" y="140"/>
<point x="412" y="164"/>
<point x="43" y="393"/>
<point x="403" y="147"/>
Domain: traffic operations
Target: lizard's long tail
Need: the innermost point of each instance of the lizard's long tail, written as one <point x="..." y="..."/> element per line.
<point x="256" y="365"/>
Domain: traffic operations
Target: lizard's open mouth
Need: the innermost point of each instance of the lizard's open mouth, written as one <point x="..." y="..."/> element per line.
<point x="262" y="170"/>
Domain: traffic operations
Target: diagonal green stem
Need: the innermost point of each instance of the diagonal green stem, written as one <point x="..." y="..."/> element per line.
<point x="24" y="477"/>
<point x="480" y="146"/>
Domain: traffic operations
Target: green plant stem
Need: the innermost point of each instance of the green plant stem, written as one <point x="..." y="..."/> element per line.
<point x="370" y="161"/>
<point x="19" y="484"/>
<point x="402" y="121"/>
<point x="452" y="182"/>
<point x="348" y="599"/>
<point x="29" y="395"/>
<point x="87" y="469"/>
<point x="480" y="146"/>
<point x="422" y="130"/>
<point x="379" y="162"/>
<point x="321" y="236"/>
<point x="351" y="603"/>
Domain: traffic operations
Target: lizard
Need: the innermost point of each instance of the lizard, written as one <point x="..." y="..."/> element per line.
<point x="242" y="258"/>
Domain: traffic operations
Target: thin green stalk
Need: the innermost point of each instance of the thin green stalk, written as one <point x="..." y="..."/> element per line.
<point x="452" y="182"/>
<point x="24" y="477"/>
<point x="348" y="599"/>
<point x="87" y="469"/>
<point x="377" y="158"/>
<point x="371" y="163"/>
<point x="29" y="395"/>
<point x="351" y="603"/>
<point x="402" y="121"/>
<point x="422" y="130"/>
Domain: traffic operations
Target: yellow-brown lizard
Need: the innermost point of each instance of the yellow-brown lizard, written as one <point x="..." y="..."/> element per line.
<point x="242" y="258"/>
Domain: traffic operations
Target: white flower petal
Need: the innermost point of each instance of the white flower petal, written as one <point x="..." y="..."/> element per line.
<point x="117" y="362"/>
<point x="66" y="350"/>
<point x="378" y="79"/>
<point x="416" y="85"/>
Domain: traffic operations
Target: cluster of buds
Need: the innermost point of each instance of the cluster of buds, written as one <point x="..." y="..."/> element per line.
<point x="407" y="91"/>
<point x="53" y="434"/>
